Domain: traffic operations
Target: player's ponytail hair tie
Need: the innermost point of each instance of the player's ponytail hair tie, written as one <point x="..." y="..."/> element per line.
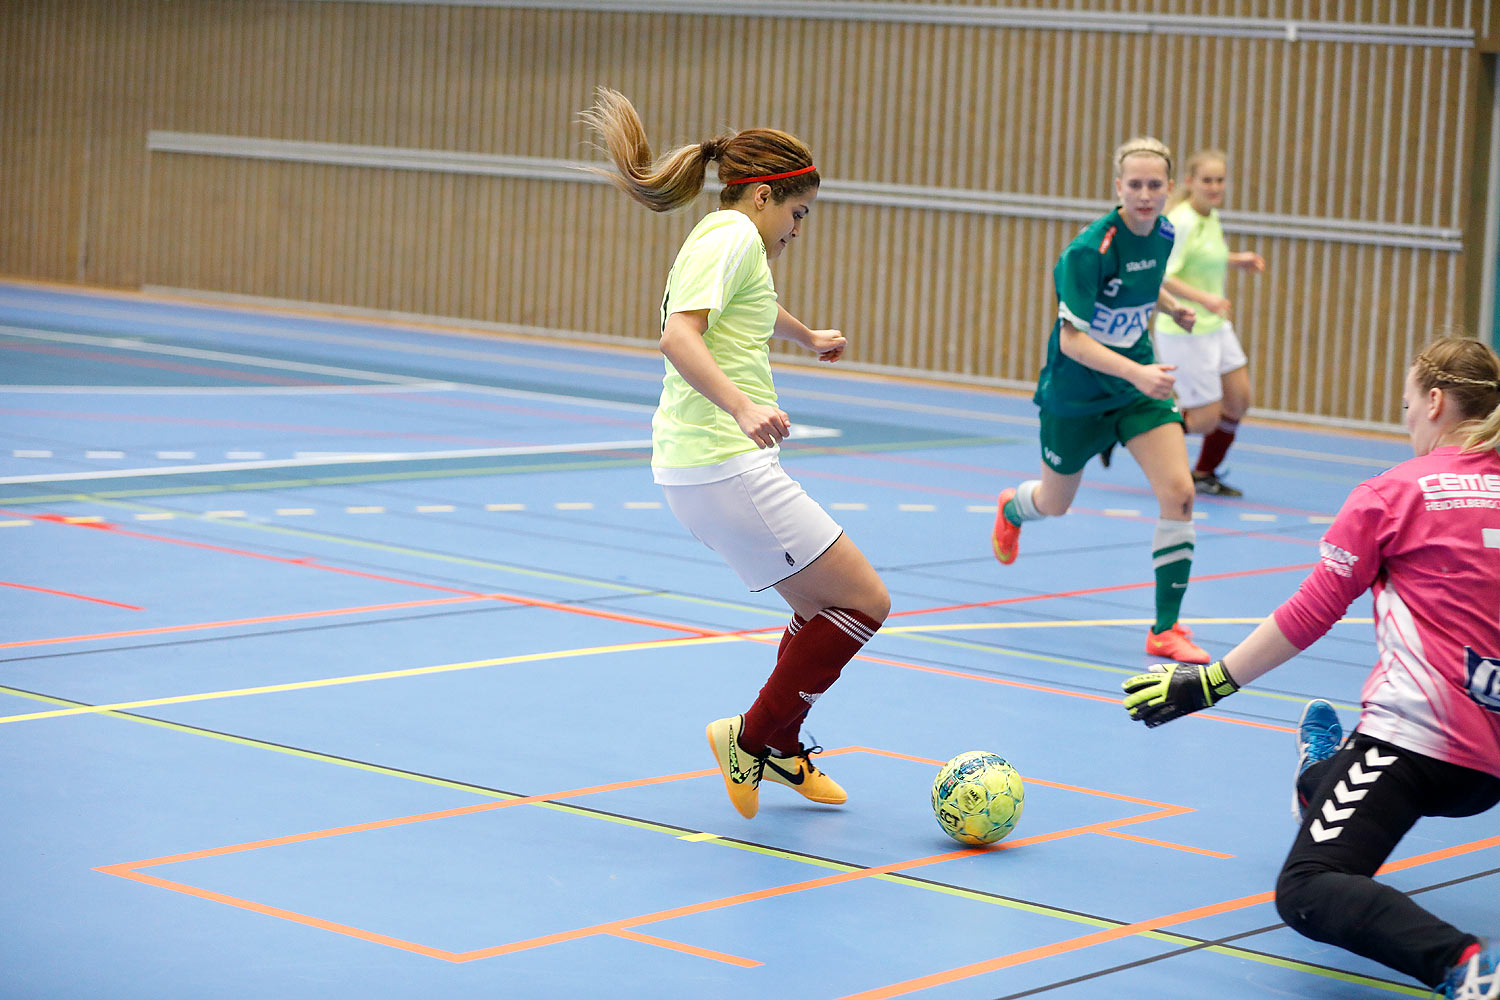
<point x="713" y="148"/>
<point x="773" y="177"/>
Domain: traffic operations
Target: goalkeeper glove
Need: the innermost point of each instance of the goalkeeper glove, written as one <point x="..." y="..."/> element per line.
<point x="1171" y="690"/>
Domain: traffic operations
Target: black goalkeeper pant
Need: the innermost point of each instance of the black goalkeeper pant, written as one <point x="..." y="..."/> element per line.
<point x="1360" y="803"/>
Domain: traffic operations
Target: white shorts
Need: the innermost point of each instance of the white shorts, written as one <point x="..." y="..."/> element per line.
<point x="1202" y="360"/>
<point x="760" y="522"/>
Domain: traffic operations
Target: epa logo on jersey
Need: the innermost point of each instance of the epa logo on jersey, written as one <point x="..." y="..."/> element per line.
<point x="1484" y="679"/>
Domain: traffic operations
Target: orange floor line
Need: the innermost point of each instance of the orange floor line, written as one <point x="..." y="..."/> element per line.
<point x="308" y="563"/>
<point x="1059" y="948"/>
<point x="380" y="824"/>
<point x="1164" y="843"/>
<point x="273" y="911"/>
<point x="758" y="895"/>
<point x="1441" y="854"/>
<point x="231" y="623"/>
<point x="1127" y="930"/>
<point x="717" y="956"/>
<point x="623" y="927"/>
<point x="1103" y="590"/>
<point x="1109" y="699"/>
<point x="76" y="597"/>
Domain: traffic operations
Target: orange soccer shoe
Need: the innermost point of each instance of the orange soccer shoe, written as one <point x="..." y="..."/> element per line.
<point x="1005" y="538"/>
<point x="1176" y="644"/>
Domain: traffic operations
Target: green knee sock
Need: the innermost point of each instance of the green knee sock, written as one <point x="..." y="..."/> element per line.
<point x="1172" y="559"/>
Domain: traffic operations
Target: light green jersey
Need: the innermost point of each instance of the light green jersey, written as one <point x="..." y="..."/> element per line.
<point x="1200" y="258"/>
<point x="722" y="268"/>
<point x="1107" y="282"/>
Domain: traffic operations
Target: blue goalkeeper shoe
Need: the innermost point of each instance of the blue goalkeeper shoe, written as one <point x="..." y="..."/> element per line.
<point x="1476" y="979"/>
<point x="1318" y="737"/>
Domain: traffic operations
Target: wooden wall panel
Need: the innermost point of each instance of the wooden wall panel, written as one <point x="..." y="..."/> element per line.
<point x="1352" y="132"/>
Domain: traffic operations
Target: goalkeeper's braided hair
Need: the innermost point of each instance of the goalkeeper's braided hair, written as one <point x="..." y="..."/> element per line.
<point x="1468" y="372"/>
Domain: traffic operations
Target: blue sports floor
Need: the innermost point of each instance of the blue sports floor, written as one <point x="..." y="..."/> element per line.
<point x="347" y="659"/>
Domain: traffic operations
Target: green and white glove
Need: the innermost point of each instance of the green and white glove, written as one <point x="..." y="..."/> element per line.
<point x="1171" y="690"/>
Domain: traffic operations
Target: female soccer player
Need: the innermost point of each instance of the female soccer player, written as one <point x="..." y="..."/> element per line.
<point x="717" y="430"/>
<point x="1213" y="384"/>
<point x="1425" y="537"/>
<point x="1102" y="385"/>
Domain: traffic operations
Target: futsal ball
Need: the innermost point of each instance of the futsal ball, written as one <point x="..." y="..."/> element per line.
<point x="977" y="797"/>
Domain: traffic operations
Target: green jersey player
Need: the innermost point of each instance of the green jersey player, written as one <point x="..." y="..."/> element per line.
<point x="1102" y="385"/>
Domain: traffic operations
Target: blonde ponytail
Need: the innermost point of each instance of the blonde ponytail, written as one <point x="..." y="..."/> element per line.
<point x="677" y="178"/>
<point x="661" y="187"/>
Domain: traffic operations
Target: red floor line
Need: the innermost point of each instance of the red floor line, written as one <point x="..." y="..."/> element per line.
<point x="262" y="620"/>
<point x="229" y="374"/>
<point x="313" y="564"/>
<point x="1143" y="491"/>
<point x="1105" y="590"/>
<point x="64" y="593"/>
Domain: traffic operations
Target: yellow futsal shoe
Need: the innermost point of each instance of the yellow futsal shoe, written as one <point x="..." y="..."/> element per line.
<point x="799" y="772"/>
<point x="741" y="770"/>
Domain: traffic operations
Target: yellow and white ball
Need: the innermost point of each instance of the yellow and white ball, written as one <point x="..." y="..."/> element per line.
<point x="977" y="797"/>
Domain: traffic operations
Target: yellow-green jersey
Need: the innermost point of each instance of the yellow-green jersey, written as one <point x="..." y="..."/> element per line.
<point x="721" y="267"/>
<point x="1200" y="258"/>
<point x="1107" y="282"/>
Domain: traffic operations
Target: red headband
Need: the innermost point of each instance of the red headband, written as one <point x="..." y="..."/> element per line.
<point x="772" y="177"/>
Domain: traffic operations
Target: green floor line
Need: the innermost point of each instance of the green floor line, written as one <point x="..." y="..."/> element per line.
<point x="402" y="550"/>
<point x="462" y="473"/>
<point x="1099" y="667"/>
<point x="678" y="832"/>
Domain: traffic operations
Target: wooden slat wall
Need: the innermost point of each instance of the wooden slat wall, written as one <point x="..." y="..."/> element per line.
<point x="1317" y="129"/>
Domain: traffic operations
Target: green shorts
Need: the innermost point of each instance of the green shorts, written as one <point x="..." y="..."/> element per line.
<point x="1069" y="442"/>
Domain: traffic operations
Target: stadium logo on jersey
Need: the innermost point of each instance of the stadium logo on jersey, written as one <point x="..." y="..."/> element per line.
<point x="1120" y="327"/>
<point x="1111" y="288"/>
<point x="1484" y="679"/>
<point x="1139" y="265"/>
<point x="1337" y="560"/>
<point x="1109" y="237"/>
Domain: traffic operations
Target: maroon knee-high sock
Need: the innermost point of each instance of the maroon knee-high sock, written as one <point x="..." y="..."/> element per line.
<point x="792" y="628"/>
<point x="1216" y="445"/>
<point x="810" y="661"/>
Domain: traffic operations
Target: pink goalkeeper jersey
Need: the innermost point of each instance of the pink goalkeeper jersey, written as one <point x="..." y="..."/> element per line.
<point x="1425" y="537"/>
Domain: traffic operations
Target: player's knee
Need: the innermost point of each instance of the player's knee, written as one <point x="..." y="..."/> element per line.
<point x="1046" y="505"/>
<point x="878" y="604"/>
<point x="1201" y="420"/>
<point x="1176" y="499"/>
<point x="1299" y="901"/>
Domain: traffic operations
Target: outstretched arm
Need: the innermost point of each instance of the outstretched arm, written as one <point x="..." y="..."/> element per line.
<point x="1351" y="559"/>
<point x="1171" y="690"/>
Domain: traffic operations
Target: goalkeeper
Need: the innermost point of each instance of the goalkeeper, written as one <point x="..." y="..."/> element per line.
<point x="1425" y="538"/>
